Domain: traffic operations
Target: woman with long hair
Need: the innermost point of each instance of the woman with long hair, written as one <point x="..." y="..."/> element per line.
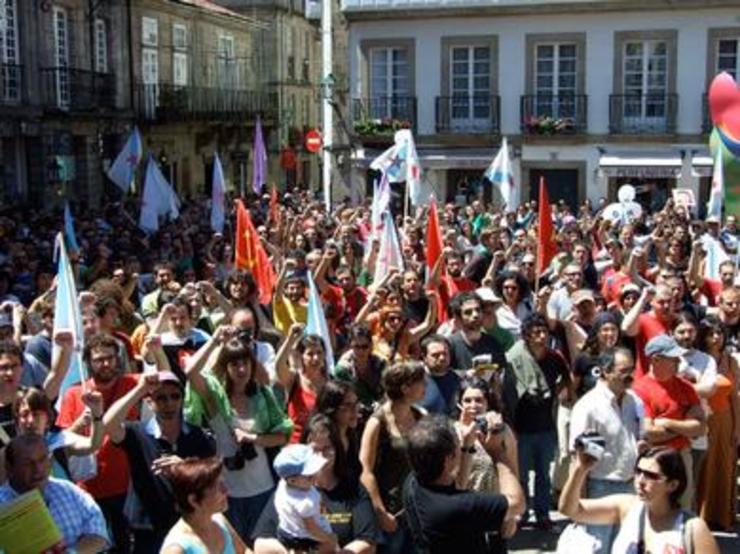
<point x="338" y="401"/>
<point x="200" y="496"/>
<point x="345" y="504"/>
<point x="715" y="492"/>
<point x="383" y="449"/>
<point x="650" y="520"/>
<point x="246" y="419"/>
<point x="513" y="288"/>
<point x="302" y="372"/>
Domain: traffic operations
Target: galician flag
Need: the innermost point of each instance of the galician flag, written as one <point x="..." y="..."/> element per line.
<point x="123" y="170"/>
<point x="218" y="190"/>
<point x="501" y="176"/>
<point x="159" y="199"/>
<point x="717" y="193"/>
<point x="400" y="162"/>
<point x="381" y="201"/>
<point x="67" y="317"/>
<point x="316" y="322"/>
<point x="389" y="255"/>
<point x="69" y="230"/>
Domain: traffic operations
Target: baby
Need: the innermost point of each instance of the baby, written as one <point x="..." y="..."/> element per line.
<point x="298" y="502"/>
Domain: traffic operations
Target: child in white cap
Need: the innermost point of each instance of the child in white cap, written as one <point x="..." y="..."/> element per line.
<point x="298" y="503"/>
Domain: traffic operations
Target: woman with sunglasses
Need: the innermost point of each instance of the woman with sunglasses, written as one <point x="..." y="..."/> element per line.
<point x="716" y="484"/>
<point x="245" y="417"/>
<point x="517" y="304"/>
<point x="650" y="520"/>
<point x="359" y="366"/>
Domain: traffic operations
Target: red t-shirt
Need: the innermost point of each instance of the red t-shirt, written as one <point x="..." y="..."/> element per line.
<point x="113" y="469"/>
<point x="712" y="289"/>
<point x="613" y="283"/>
<point x="649" y="327"/>
<point x="670" y="399"/>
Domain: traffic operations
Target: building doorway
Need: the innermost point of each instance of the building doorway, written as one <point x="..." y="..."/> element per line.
<point x="562" y="184"/>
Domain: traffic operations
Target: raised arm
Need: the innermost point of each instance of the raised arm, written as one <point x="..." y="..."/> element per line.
<point x="630" y="324"/>
<point x="429" y="321"/>
<point x="288" y="358"/>
<point x="116" y="414"/>
<point x="82" y="445"/>
<point x="60" y="364"/>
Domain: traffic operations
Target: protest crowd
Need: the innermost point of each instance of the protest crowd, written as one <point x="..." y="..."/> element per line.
<point x="432" y="379"/>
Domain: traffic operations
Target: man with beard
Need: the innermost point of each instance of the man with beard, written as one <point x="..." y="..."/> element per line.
<point x="164" y="277"/>
<point x="152" y="446"/>
<point x="645" y="326"/>
<point x="442" y="383"/>
<point x="610" y="410"/>
<point x="110" y="484"/>
<point x="289" y="304"/>
<point x="470" y="343"/>
<point x="415" y="303"/>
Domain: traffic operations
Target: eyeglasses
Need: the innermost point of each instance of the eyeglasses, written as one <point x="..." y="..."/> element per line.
<point x="647" y="474"/>
<point x="394" y="318"/>
<point x="9" y="367"/>
<point x="174" y="397"/>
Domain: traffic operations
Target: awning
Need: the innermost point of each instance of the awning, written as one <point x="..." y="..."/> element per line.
<point x="440" y="158"/>
<point x="641" y="164"/>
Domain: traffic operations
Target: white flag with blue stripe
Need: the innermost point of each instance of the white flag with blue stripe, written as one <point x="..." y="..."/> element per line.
<point x="316" y="322"/>
<point x="501" y="176"/>
<point x="218" y="186"/>
<point x="69" y="230"/>
<point x="67" y="317"/>
<point x="715" y="257"/>
<point x="123" y="170"/>
<point x="389" y="255"/>
<point x="159" y="199"/>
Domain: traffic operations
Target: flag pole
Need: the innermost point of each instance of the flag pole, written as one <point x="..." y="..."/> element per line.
<point x="405" y="203"/>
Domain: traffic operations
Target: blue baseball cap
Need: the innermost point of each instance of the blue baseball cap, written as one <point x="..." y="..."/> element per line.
<point x="664" y="345"/>
<point x="298" y="459"/>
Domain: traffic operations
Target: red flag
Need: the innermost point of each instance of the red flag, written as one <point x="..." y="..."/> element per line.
<point x="434" y="235"/>
<point x="546" y="247"/>
<point x="251" y="255"/>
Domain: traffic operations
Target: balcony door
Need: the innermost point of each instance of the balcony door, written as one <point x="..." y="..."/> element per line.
<point x="390" y="88"/>
<point x="728" y="56"/>
<point x="470" y="79"/>
<point x="61" y="57"/>
<point x="645" y="84"/>
<point x="555" y="80"/>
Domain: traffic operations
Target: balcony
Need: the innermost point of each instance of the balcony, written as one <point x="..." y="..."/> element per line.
<point x="548" y="115"/>
<point x="171" y="103"/>
<point x="643" y="113"/>
<point x="11" y="84"/>
<point x="381" y="116"/>
<point x="468" y="114"/>
<point x="77" y="90"/>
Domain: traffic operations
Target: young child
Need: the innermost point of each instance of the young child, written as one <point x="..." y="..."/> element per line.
<point x="298" y="502"/>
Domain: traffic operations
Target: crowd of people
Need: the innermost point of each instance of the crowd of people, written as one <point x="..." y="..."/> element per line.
<point x="449" y="407"/>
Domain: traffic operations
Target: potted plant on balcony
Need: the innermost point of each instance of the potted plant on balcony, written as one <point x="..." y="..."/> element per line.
<point x="383" y="127"/>
<point x="547" y="126"/>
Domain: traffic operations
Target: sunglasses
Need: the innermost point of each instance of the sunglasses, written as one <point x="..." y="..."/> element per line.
<point x="364" y="346"/>
<point x="174" y="397"/>
<point x="647" y="474"/>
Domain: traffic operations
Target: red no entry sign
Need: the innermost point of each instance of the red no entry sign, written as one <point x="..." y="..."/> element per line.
<point x="313" y="141"/>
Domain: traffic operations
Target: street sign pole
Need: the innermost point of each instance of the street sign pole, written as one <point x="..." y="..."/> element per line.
<point x="327" y="90"/>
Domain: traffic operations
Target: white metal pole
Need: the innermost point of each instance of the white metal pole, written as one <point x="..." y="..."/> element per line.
<point x="327" y="123"/>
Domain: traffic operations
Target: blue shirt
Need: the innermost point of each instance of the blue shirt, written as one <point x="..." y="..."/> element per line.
<point x="73" y="510"/>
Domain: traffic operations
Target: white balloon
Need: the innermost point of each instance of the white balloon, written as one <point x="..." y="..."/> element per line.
<point x="622" y="212"/>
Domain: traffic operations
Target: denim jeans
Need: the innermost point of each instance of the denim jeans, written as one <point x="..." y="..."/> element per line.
<point x="598" y="488"/>
<point x="243" y="513"/>
<point x="536" y="452"/>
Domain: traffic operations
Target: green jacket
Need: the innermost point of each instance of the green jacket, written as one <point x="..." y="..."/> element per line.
<point x="268" y="415"/>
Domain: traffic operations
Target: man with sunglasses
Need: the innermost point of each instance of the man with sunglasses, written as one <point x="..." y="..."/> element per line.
<point x="610" y="410"/>
<point x="673" y="412"/>
<point x="151" y="446"/>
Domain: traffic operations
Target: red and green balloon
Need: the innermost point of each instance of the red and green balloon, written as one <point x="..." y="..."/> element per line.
<point x="724" y="105"/>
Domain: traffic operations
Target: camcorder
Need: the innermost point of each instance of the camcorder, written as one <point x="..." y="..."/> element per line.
<point x="481" y="423"/>
<point x="592" y="444"/>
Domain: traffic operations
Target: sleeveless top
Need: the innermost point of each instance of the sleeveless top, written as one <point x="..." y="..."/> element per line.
<point x="391" y="463"/>
<point x="191" y="545"/>
<point x="671" y="541"/>
<point x="300" y="405"/>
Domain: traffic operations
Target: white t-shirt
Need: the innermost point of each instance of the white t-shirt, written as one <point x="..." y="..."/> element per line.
<point x="293" y="505"/>
<point x="699" y="367"/>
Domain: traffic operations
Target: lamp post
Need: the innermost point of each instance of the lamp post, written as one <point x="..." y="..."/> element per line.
<point x="328" y="84"/>
<point x="327" y="92"/>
